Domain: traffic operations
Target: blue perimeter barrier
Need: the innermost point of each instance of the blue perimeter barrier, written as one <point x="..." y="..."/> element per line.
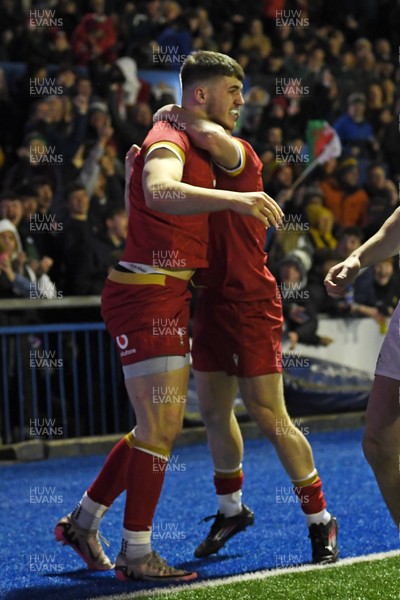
<point x="60" y="380"/>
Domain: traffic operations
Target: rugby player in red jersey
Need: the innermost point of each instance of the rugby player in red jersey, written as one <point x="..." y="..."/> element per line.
<point x="237" y="335"/>
<point x="170" y="195"/>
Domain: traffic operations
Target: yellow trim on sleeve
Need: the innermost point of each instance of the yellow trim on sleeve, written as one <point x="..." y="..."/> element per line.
<point x="235" y="172"/>
<point x="169" y="146"/>
<point x="130" y="440"/>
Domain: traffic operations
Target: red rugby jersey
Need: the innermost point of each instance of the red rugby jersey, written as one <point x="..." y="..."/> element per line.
<point x="159" y="239"/>
<point x="236" y="254"/>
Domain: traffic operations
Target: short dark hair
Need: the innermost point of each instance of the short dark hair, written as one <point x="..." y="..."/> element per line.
<point x="353" y="230"/>
<point x="8" y="195"/>
<point x="75" y="186"/>
<point x="112" y="212"/>
<point x="40" y="180"/>
<point x="24" y="190"/>
<point x="205" y="64"/>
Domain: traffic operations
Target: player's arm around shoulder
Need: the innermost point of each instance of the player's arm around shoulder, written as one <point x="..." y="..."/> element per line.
<point x="205" y="134"/>
<point x="165" y="192"/>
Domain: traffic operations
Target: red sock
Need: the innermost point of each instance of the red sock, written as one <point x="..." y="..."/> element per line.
<point x="111" y="481"/>
<point x="310" y="495"/>
<point x="144" y="480"/>
<point x="228" y="483"/>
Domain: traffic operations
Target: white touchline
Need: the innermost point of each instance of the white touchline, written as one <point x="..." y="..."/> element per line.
<point x="257" y="575"/>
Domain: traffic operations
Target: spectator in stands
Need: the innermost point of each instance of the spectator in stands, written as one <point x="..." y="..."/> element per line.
<point x="101" y="174"/>
<point x="298" y="310"/>
<point x="382" y="198"/>
<point x="377" y="292"/>
<point x="388" y="136"/>
<point x="348" y="239"/>
<point x="135" y="128"/>
<point x="129" y="88"/>
<point x="16" y="276"/>
<point x="280" y="185"/>
<point x="67" y="10"/>
<point x="8" y="118"/>
<point x="34" y="159"/>
<point x="323" y="101"/>
<point x="375" y="104"/>
<point x="344" y="196"/>
<point x="84" y="88"/>
<point x="206" y="39"/>
<point x="11" y="208"/>
<point x="255" y="48"/>
<point x="42" y="186"/>
<point x="175" y="41"/>
<point x="11" y="26"/>
<point x="29" y="198"/>
<point x="95" y="37"/>
<point x="320" y="237"/>
<point x="32" y="41"/>
<point x="114" y="234"/>
<point x="83" y="254"/>
<point x="256" y="99"/>
<point x="60" y="48"/>
<point x="355" y="132"/>
<point x="146" y="25"/>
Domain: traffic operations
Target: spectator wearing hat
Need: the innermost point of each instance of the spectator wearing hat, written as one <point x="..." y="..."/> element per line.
<point x="320" y="237"/>
<point x="344" y="196"/>
<point x="17" y="279"/>
<point x="299" y="312"/>
<point x="355" y="132"/>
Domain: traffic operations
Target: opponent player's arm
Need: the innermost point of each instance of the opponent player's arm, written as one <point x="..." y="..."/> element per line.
<point x="165" y="192"/>
<point x="205" y="134"/>
<point x="386" y="242"/>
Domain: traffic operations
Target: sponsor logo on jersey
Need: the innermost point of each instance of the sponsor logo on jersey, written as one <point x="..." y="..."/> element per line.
<point x="122" y="341"/>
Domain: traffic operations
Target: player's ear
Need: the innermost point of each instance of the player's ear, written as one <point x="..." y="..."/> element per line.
<point x="200" y="94"/>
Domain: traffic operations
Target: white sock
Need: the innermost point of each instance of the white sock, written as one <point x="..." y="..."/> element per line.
<point x="135" y="544"/>
<point x="322" y="517"/>
<point x="230" y="504"/>
<point x="88" y="514"/>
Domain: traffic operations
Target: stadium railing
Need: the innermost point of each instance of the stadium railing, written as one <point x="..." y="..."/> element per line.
<point x="60" y="379"/>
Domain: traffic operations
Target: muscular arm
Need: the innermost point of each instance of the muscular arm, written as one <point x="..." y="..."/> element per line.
<point x="204" y="134"/>
<point x="386" y="242"/>
<point x="165" y="192"/>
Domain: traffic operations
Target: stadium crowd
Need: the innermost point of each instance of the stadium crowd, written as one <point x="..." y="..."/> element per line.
<point x="72" y="101"/>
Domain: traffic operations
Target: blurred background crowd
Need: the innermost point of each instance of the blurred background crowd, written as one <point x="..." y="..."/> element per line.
<point x="74" y="97"/>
